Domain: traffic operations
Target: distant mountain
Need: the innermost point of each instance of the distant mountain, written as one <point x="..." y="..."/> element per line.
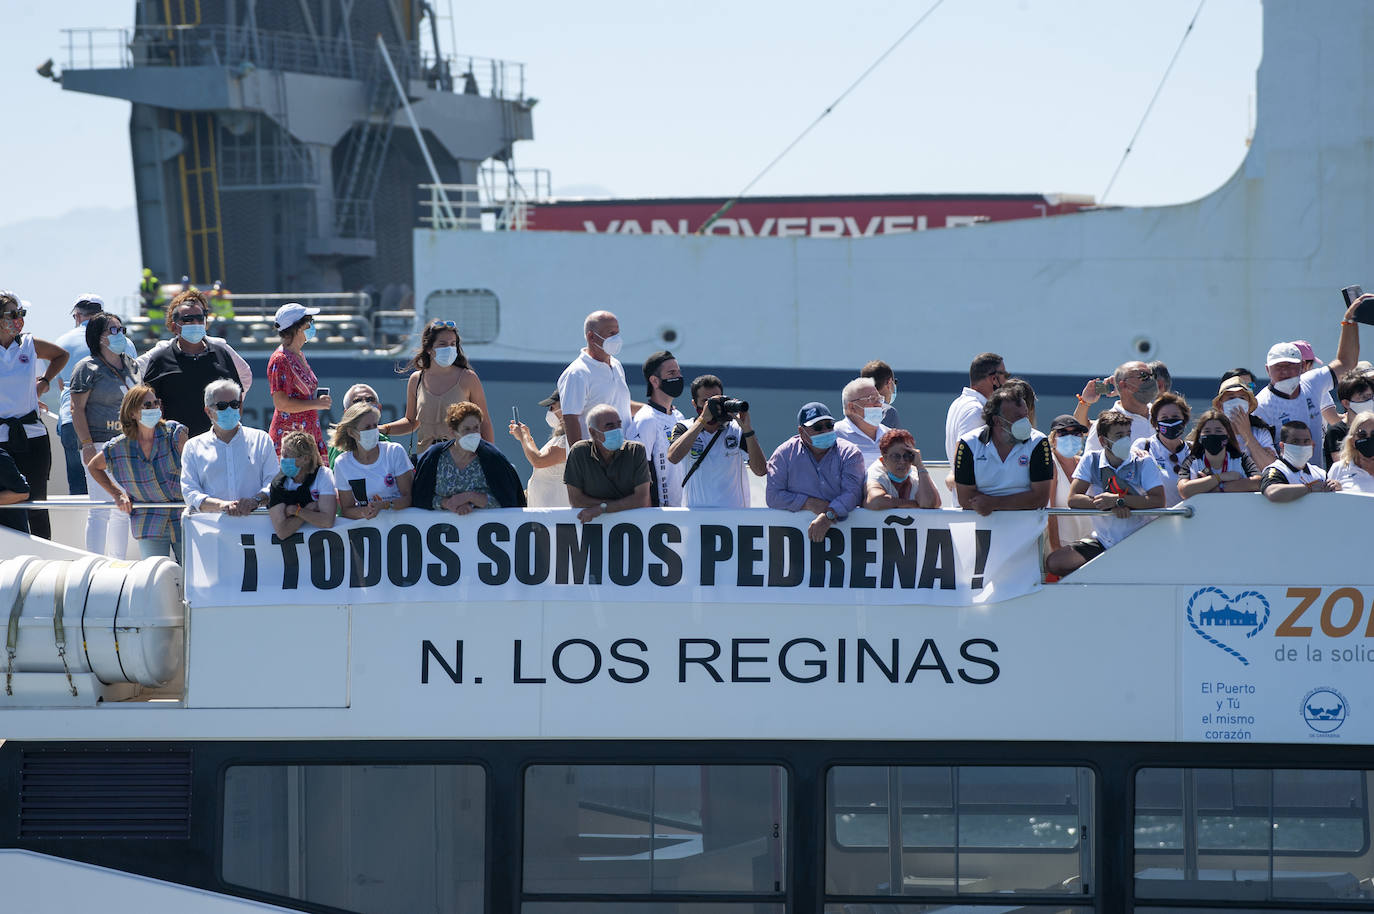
<point x="51" y="261"/>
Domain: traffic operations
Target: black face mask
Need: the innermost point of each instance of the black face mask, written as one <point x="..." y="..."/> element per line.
<point x="1213" y="444"/>
<point x="1171" y="430"/>
<point x="1365" y="446"/>
<point x="670" y="386"/>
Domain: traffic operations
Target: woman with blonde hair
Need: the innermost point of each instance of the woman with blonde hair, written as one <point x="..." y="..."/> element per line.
<point x="1355" y="468"/>
<point x="143" y="464"/>
<point x="371" y="475"/>
<point x="303" y="490"/>
<point x="466" y="473"/>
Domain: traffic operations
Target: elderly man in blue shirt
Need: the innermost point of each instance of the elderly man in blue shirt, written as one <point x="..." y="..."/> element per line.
<point x="816" y="471"/>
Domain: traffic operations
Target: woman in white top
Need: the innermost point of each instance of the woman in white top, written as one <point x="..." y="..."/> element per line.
<point x="1169" y="415"/>
<point x="22" y="434"/>
<point x="545" y="488"/>
<point x="898" y="478"/>
<point x="1067" y="438"/>
<point x="303" y="491"/>
<point x="1216" y="462"/>
<point x="370" y="475"/>
<point x="1355" y="468"/>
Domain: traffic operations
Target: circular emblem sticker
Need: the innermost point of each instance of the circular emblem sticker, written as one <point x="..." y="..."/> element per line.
<point x="1324" y="710"/>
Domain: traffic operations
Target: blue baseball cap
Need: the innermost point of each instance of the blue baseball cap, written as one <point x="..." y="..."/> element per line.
<point x="813" y="412"/>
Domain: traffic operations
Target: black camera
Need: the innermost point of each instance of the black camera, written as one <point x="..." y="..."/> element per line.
<point x="722" y="408"/>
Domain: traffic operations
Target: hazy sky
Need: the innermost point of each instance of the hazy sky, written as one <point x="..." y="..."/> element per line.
<point x="649" y="98"/>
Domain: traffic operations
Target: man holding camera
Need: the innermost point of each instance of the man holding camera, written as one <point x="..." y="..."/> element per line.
<point x="653" y="426"/>
<point x="720" y="443"/>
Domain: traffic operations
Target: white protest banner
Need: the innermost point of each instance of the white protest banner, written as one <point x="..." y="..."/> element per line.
<point x="660" y="555"/>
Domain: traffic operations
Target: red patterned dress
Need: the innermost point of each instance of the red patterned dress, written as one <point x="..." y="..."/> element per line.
<point x="289" y="372"/>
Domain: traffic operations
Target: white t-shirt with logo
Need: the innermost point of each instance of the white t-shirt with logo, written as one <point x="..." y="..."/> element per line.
<point x="653" y="428"/>
<point x="323" y="484"/>
<point x="379" y="476"/>
<point x="587" y="382"/>
<point x="1167" y="461"/>
<point x="1352" y="478"/>
<point x="1305" y="406"/>
<point x="721" y="481"/>
<point x="1136" y="475"/>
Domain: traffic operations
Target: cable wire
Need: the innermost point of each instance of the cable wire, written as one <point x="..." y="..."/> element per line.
<point x="1150" y="107"/>
<point x="829" y="108"/>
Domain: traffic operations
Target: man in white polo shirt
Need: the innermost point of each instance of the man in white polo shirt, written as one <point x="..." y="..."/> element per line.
<point x="1005" y="465"/>
<point x="985" y="374"/>
<point x="1296" y="394"/>
<point x="862" y="425"/>
<point x="595" y="376"/>
<point x="1136" y="389"/>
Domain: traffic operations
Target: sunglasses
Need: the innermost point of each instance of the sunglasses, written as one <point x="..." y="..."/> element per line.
<point x="115" y="331"/>
<point x="357" y="400"/>
<point x="151" y="404"/>
<point x="1141" y="375"/>
<point x="904" y="456"/>
<point x="228" y="404"/>
<point x="442" y="325"/>
<point x="190" y="319"/>
<point x="824" y="426"/>
<point x="15" y="315"/>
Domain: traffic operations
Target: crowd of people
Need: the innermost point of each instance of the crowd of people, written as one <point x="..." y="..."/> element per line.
<point x="166" y="427"/>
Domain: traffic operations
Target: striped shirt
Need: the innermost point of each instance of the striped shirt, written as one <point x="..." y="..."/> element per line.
<point x="155" y="478"/>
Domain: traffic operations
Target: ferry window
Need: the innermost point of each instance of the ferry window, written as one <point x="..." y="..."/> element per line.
<point x="653" y="829"/>
<point x="377" y="839"/>
<point x="958" y="830"/>
<point x="1204" y="833"/>
<point x="477" y="312"/>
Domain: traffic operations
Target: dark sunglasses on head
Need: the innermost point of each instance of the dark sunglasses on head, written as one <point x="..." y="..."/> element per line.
<point x="228" y="404"/>
<point x="190" y="319"/>
<point x="15" y="315"/>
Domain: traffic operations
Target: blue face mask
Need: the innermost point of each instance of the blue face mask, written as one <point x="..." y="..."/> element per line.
<point x="614" y="439"/>
<point x="193" y="333"/>
<point x="289" y="468"/>
<point x="823" y="441"/>
<point x="895" y="478"/>
<point x="227" y="419"/>
<point x="310" y="332"/>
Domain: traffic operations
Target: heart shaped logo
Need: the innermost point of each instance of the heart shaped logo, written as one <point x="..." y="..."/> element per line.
<point x="1216" y="616"/>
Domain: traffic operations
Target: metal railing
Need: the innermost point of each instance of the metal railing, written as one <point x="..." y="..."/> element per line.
<point x="243" y="46"/>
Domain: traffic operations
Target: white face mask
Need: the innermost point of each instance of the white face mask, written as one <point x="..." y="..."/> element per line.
<point x="551" y="420"/>
<point x="892" y="397"/>
<point x="1288" y="385"/>
<point x="1236" y="405"/>
<point x="1121" y="448"/>
<point x="470" y="441"/>
<point x="368" y="438"/>
<point x="446" y="355"/>
<point x="611" y="345"/>
<point x="1361" y="407"/>
<point x="1021" y="429"/>
<point x="1297" y="455"/>
<point x="873" y="415"/>
<point x="1069" y="445"/>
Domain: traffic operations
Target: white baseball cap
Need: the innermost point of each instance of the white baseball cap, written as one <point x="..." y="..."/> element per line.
<point x="291" y="312"/>
<point x="1282" y="352"/>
